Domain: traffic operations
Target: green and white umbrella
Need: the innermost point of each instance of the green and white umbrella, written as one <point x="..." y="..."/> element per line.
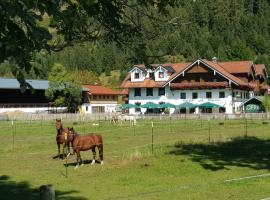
<point x="167" y="105"/>
<point x="128" y="105"/>
<point x="150" y="105"/>
<point x="209" y="105"/>
<point x="186" y="105"/>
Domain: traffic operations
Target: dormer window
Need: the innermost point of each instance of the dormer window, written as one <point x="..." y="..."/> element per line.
<point x="136" y="75"/>
<point x="151" y="75"/>
<point x="161" y="74"/>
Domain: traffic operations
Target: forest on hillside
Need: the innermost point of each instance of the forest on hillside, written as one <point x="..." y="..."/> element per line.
<point x="192" y="29"/>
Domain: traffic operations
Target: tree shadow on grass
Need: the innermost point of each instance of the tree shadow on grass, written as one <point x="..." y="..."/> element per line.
<point x="249" y="152"/>
<point x="10" y="190"/>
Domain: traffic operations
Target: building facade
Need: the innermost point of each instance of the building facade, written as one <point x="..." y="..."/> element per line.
<point x="99" y="99"/>
<point x="227" y="84"/>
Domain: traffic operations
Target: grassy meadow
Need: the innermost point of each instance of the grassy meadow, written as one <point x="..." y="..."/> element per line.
<point x="191" y="159"/>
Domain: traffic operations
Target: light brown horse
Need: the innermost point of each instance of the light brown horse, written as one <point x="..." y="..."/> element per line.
<point x="85" y="143"/>
<point x="63" y="137"/>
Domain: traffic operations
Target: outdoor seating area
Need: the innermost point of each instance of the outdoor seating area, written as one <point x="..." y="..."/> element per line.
<point x="169" y="108"/>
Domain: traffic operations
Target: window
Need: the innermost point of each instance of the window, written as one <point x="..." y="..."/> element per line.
<point x="221" y="94"/>
<point x="161" y="74"/>
<point x="149" y="91"/>
<point x="208" y="95"/>
<point x="136" y="75"/>
<point x="194" y="95"/>
<point x="151" y="75"/>
<point x="137" y="92"/>
<point x="94" y="97"/>
<point x="161" y="91"/>
<point x="182" y="95"/>
<point x="86" y="108"/>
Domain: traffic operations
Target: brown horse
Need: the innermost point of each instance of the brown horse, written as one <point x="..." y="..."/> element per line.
<point x="63" y="137"/>
<point x="87" y="142"/>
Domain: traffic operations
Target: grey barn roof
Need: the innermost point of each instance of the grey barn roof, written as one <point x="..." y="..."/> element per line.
<point x="10" y="83"/>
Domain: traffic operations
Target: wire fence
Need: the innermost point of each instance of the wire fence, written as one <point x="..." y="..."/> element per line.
<point x="148" y="132"/>
<point x="78" y="117"/>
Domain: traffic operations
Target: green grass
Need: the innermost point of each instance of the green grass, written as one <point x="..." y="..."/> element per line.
<point x="188" y="162"/>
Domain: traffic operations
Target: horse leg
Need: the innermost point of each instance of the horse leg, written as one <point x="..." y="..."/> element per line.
<point x="94" y="155"/>
<point x="78" y="158"/>
<point x="100" y="153"/>
<point x="58" y="146"/>
<point x="63" y="151"/>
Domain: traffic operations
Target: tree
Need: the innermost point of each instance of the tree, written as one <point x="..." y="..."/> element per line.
<point x="23" y="34"/>
<point x="63" y="89"/>
<point x="266" y="103"/>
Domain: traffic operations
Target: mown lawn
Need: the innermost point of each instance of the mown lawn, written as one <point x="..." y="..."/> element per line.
<point x="191" y="159"/>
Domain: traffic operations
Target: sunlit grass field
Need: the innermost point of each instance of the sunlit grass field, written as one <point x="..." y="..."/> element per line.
<point x="176" y="159"/>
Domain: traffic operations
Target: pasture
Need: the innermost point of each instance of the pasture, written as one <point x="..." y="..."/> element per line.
<point x="190" y="159"/>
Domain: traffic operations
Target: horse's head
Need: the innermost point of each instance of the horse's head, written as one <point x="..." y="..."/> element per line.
<point x="58" y="124"/>
<point x="72" y="133"/>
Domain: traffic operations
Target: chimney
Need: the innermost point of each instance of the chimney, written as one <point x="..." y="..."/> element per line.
<point x="215" y="59"/>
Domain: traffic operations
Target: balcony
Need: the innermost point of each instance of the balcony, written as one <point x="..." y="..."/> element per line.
<point x="199" y="85"/>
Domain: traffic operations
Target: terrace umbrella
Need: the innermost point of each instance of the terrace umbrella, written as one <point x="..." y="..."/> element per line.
<point x="167" y="105"/>
<point x="128" y="105"/>
<point x="150" y="105"/>
<point x="186" y="105"/>
<point x="209" y="105"/>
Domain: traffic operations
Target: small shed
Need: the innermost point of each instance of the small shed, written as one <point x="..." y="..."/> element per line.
<point x="252" y="105"/>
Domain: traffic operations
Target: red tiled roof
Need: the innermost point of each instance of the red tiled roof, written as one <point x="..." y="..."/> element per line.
<point x="98" y="89"/>
<point x="259" y="69"/>
<point x="236" y="67"/>
<point x="124" y="92"/>
<point x="226" y="69"/>
<point x="220" y="69"/>
<point x="149" y="83"/>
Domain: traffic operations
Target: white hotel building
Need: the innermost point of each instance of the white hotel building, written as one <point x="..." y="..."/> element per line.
<point x="227" y="84"/>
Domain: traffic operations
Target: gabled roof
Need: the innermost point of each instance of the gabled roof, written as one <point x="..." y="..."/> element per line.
<point x="100" y="90"/>
<point x="149" y="83"/>
<point x="260" y="70"/>
<point x="143" y="69"/>
<point x="12" y="83"/>
<point x="214" y="66"/>
<point x="228" y="70"/>
<point x="169" y="69"/>
<point x="248" y="100"/>
<point x="237" y="67"/>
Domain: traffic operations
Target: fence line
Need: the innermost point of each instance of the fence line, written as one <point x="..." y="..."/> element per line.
<point x="108" y="116"/>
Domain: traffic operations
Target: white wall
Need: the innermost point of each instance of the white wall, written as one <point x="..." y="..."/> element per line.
<point x="174" y="98"/>
<point x="109" y="107"/>
<point x="32" y="109"/>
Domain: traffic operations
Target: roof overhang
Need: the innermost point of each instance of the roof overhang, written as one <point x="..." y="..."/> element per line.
<point x="192" y="64"/>
<point x="248" y="100"/>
